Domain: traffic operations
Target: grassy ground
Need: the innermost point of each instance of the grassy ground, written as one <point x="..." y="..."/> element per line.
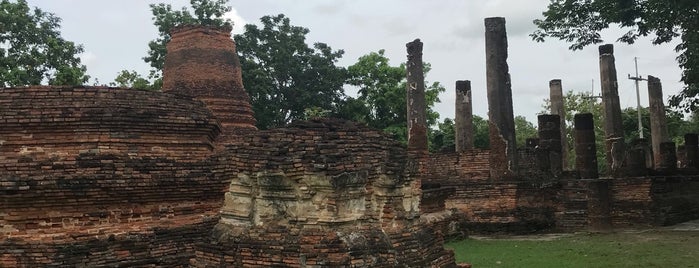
<point x="654" y="248"/>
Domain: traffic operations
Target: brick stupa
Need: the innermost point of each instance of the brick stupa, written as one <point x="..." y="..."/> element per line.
<point x="202" y="63"/>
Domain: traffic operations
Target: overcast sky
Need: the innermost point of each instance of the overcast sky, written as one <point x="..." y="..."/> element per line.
<point x="115" y="36"/>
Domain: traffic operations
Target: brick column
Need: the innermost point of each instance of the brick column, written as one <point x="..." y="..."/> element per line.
<point x="598" y="193"/>
<point x="550" y="142"/>
<point x="667" y="154"/>
<point x="417" y="120"/>
<point x="202" y="63"/>
<point x="615" y="148"/>
<point x="636" y="159"/>
<point x="658" y="125"/>
<point x="585" y="148"/>
<point x="503" y="147"/>
<point x="599" y="204"/>
<point x="557" y="107"/>
<point x="464" y="116"/>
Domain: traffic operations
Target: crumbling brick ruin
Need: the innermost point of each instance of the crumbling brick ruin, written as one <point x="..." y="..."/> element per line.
<point x="124" y="178"/>
<point x="541" y="195"/>
<point x="111" y="177"/>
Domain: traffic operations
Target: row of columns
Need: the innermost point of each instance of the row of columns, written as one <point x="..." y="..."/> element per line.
<point x="503" y="154"/>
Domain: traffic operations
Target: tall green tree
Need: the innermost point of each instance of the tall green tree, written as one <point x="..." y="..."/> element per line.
<point x="381" y="98"/>
<point x="676" y="124"/>
<point x="443" y="138"/>
<point x="32" y="50"/>
<point x="133" y="79"/>
<point x="481" y="132"/>
<point x="283" y="75"/>
<point x="524" y="130"/>
<point x="580" y="22"/>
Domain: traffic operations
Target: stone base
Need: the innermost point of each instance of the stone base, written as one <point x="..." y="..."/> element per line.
<point x="279" y="246"/>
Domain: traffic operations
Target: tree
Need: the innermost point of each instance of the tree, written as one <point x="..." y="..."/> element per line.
<point x="580" y="22"/>
<point x="678" y="127"/>
<point x="32" y="50"/>
<point x="481" y="132"/>
<point x="283" y="75"/>
<point x="132" y="79"/>
<point x="524" y="130"/>
<point x="443" y="138"/>
<point x="381" y="102"/>
<point x="676" y="124"/>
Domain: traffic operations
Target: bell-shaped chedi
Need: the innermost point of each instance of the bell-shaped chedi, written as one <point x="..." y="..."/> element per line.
<point x="201" y="63"/>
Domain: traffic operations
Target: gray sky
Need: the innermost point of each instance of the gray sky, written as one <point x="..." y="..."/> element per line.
<point x="115" y="35"/>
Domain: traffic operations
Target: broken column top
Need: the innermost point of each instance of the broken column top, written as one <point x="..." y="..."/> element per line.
<point x="493" y="23"/>
<point x="583" y="121"/>
<point x="555" y="82"/>
<point x="463" y="85"/>
<point x="414" y="47"/>
<point x="606" y="49"/>
<point x="653" y="79"/>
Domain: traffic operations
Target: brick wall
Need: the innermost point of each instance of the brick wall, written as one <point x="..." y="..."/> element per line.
<point x="151" y="246"/>
<point x="105" y="176"/>
<point x="470" y="164"/>
<point x="322" y="192"/>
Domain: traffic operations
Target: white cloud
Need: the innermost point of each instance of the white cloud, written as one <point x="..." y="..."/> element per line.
<point x="89" y="59"/>
<point x="238" y="21"/>
<point x="330" y="7"/>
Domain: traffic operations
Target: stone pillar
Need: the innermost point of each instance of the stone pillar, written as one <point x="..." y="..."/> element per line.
<point x="557" y="107"/>
<point x="636" y="159"/>
<point x="550" y="142"/>
<point x="681" y="156"/>
<point x="503" y="147"/>
<point x="613" y="132"/>
<point x="417" y="120"/>
<point x="667" y="155"/>
<point x="691" y="147"/>
<point x="658" y="125"/>
<point x="464" y="116"/>
<point x="202" y="63"/>
<point x="585" y="148"/>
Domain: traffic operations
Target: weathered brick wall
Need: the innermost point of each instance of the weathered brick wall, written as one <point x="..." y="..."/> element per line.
<point x="522" y="205"/>
<point x="659" y="200"/>
<point x="146" y="245"/>
<point x="59" y="122"/>
<point x="322" y="192"/>
<point x="434" y="198"/>
<point x="571" y="211"/>
<point x="469" y="164"/>
<point x="675" y="199"/>
<point x="80" y="167"/>
<point x="632" y="201"/>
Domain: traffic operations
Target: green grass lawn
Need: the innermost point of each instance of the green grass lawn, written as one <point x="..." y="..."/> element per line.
<point x="653" y="248"/>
